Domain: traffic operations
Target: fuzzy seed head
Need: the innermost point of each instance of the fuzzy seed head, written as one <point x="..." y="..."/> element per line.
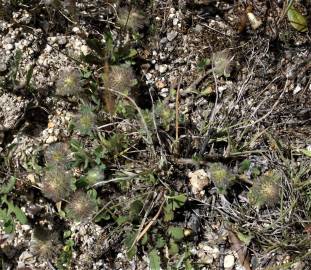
<point x="57" y="184"/>
<point x="57" y="153"/>
<point x="121" y="78"/>
<point x="68" y="83"/>
<point x="221" y="177"/>
<point x="133" y="19"/>
<point x="81" y="206"/>
<point x="85" y="121"/>
<point x="46" y="248"/>
<point x="265" y="191"/>
<point x="222" y="63"/>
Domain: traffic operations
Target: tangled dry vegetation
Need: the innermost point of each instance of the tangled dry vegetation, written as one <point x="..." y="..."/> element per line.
<point x="155" y="134"/>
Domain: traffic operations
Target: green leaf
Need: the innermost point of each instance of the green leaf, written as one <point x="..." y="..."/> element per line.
<point x="245" y="238"/>
<point x="102" y="216"/>
<point x="9" y="226"/>
<point x="128" y="242"/>
<point x="160" y="242"/>
<point x="168" y="213"/>
<point x="144" y="240"/>
<point x="178" y="201"/>
<point x="6" y="188"/>
<point x="121" y="220"/>
<point x="245" y="165"/>
<point x="177" y="233"/>
<point x="306" y="152"/>
<point x="154" y="260"/>
<point x="135" y="209"/>
<point x="173" y="248"/>
<point x="298" y="21"/>
<point x="19" y="214"/>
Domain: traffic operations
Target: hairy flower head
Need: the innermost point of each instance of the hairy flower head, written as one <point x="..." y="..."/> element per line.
<point x="81" y="206"/>
<point x="132" y="19"/>
<point x="57" y="184"/>
<point x="85" y="120"/>
<point x="221" y="177"/>
<point x="57" y="153"/>
<point x="266" y="190"/>
<point x="68" y="83"/>
<point x="121" y="78"/>
<point x="46" y="247"/>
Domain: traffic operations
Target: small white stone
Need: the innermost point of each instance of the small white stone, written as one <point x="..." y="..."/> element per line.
<point x="76" y="29"/>
<point x="162" y="68"/>
<point x="9" y="47"/>
<point x="297" y="89"/>
<point x="48" y="48"/>
<point x="51" y="139"/>
<point x="175" y="21"/>
<point x="148" y="76"/>
<point x="229" y="262"/>
<point x="25" y="227"/>
<point x="84" y="49"/>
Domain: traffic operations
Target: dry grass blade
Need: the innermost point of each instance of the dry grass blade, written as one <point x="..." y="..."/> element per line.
<point x="108" y="96"/>
<point x="238" y="246"/>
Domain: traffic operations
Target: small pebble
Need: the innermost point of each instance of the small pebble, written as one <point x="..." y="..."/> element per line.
<point x="229" y="262"/>
<point x="162" y="68"/>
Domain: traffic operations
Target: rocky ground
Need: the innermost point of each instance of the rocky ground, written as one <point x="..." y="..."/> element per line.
<point x="155" y="134"/>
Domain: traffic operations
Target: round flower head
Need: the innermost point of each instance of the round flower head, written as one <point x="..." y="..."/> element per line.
<point x="46" y="248"/>
<point x="121" y="78"/>
<point x="57" y="184"/>
<point x="85" y="120"/>
<point x="81" y="206"/>
<point x="221" y="177"/>
<point x="266" y="190"/>
<point x="57" y="153"/>
<point x="68" y="83"/>
<point x="132" y="19"/>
